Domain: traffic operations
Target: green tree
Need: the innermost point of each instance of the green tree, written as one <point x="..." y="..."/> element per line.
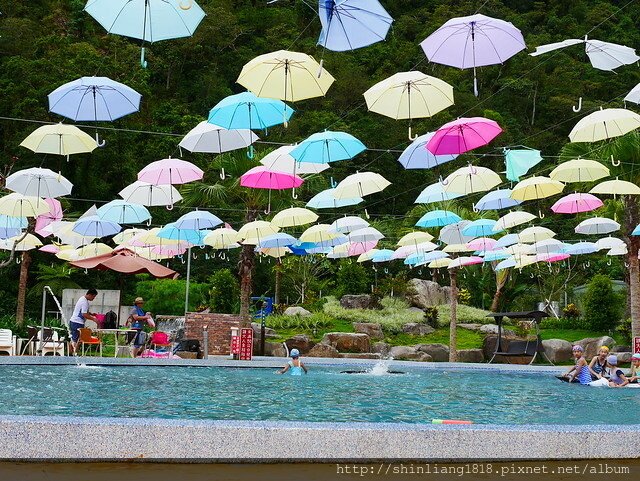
<point x="57" y="276"/>
<point x="224" y="294"/>
<point x="602" y="306"/>
<point x="352" y="278"/>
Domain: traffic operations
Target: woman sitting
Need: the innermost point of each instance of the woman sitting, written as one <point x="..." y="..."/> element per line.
<point x="137" y="320"/>
<point x="598" y="365"/>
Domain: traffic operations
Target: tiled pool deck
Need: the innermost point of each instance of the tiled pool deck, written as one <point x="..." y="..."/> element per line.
<point x="117" y="439"/>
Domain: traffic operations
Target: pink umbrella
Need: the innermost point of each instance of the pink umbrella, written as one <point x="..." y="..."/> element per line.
<point x="575" y="203"/>
<point x="54" y="215"/>
<point x="357" y="248"/>
<point x="170" y="172"/>
<point x="262" y="178"/>
<point x="552" y="257"/>
<point x="463" y="135"/>
<point x="50" y="249"/>
<point x="482" y="244"/>
<point x="465" y="261"/>
<point x="172" y="251"/>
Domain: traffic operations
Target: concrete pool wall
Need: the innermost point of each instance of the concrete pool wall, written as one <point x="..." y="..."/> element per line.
<point x="116" y="439"/>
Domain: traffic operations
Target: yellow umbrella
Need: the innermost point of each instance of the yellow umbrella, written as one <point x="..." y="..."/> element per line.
<point x="414" y="238"/>
<point x="367" y="256"/>
<point x="59" y="139"/>
<point x="126" y="235"/>
<point x="451" y="248"/>
<point x="286" y="76"/>
<point x="444" y="262"/>
<point x="616" y="187"/>
<point x="359" y="185"/>
<point x="409" y="95"/>
<point x="65" y="251"/>
<point x="293" y="217"/>
<point x="470" y="179"/>
<point x="275" y="252"/>
<point x="604" y="124"/>
<point x="318" y="233"/>
<point x="252" y="232"/>
<point x="520" y="249"/>
<point x="512" y="219"/>
<point x="223" y="238"/>
<point x="525" y="260"/>
<point x="28" y="243"/>
<point x="579" y="170"/>
<point x="85" y="252"/>
<point x="536" y="188"/>
<point x="535" y="234"/>
<point x="18" y="205"/>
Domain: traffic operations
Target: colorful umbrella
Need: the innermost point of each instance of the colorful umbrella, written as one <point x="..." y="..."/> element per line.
<point x="482" y="244"/>
<point x="173" y="233"/>
<point x="535" y="188"/>
<point x="327" y="200"/>
<point x="318" y="233"/>
<point x="535" y="234"/>
<point x="382" y="255"/>
<point x="581" y="248"/>
<point x="11" y="226"/>
<point x="471" y="179"/>
<point x="602" y="55"/>
<point x="604" y="124"/>
<point x="367" y="256"/>
<point x="127" y="235"/>
<point x="294" y="217"/>
<point x="438" y="263"/>
<point x="579" y="170"/>
<point x="616" y="187"/>
<point x="94" y="226"/>
<point x="18" y="205"/>
<point x="481" y="228"/>
<point x="126" y="261"/>
<point x="348" y="223"/>
<point x="360" y="184"/>
<point x="438" y="218"/>
<point x="262" y="178"/>
<point x="123" y="212"/>
<point x="465" y="261"/>
<point x="213" y="139"/>
<point x="222" y="238"/>
<point x="597" y="225"/>
<point x="277" y="241"/>
<point x="281" y="160"/>
<point x="38" y="182"/>
<point x="28" y="243"/>
<point x="197" y="220"/>
<point x="150" y="195"/>
<point x="414" y="238"/>
<point x="519" y="161"/>
<point x="170" y="172"/>
<point x="552" y="257"/>
<point x="513" y="219"/>
<point x="59" y="139"/>
<point x="496" y="200"/>
<point x="409" y="250"/>
<point x="417" y="156"/>
<point x="325" y="147"/>
<point x="456" y="248"/>
<point x="496" y="255"/>
<point x="506" y="241"/>
<point x="575" y="203"/>
<point x="421" y="258"/>
<point x="506" y="264"/>
<point x="435" y="193"/>
<point x="463" y="135"/>
<point x="246" y="111"/>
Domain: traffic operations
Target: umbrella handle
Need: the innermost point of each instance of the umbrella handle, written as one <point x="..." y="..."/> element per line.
<point x="222" y="174"/>
<point x="609" y="262"/>
<point x="615" y="163"/>
<point x="321" y="67"/>
<point x="366" y="214"/>
<point x="412" y="137"/>
<point x="334" y="184"/>
<point x="293" y="193"/>
<point x="187" y="5"/>
<point x="98" y="142"/>
<point x="540" y="214"/>
<point x="250" y="152"/>
<point x="579" y="107"/>
<point x="143" y="62"/>
<point x="149" y="222"/>
<point x="170" y="207"/>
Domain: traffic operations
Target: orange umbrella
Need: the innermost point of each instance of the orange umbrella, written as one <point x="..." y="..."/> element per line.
<point x="126" y="262"/>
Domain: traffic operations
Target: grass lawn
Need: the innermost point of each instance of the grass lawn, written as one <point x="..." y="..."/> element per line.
<point x="466" y="339"/>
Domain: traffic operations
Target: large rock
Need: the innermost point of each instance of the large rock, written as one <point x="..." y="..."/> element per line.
<point x="438" y="352"/>
<point x="623" y="357"/>
<point x="493" y="329"/>
<point x="301" y="342"/>
<point x="557" y="350"/>
<point x="371" y="329"/>
<point x="362" y="301"/>
<point x="489" y="345"/>
<point x="422" y="293"/>
<point x="416" y="329"/>
<point x="296" y="311"/>
<point x="381" y="348"/>
<point x="470" y="355"/>
<point x="323" y="350"/>
<point x="592" y="345"/>
<point x="275" y="349"/>
<point x="408" y="353"/>
<point x="470" y="327"/>
<point x="347" y="341"/>
<point x="268" y="332"/>
<point x="361" y="355"/>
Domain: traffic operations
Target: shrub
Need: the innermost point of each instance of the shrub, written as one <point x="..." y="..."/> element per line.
<point x="431" y="316"/>
<point x="352" y="278"/>
<point x="465" y="315"/>
<point x="625" y="331"/>
<point x="224" y="295"/>
<point x="464" y="296"/>
<point x="315" y="321"/>
<point x="393" y="314"/>
<point x="603" y="307"/>
<point x="564" y="323"/>
<point x="571" y="311"/>
<point x="166" y="296"/>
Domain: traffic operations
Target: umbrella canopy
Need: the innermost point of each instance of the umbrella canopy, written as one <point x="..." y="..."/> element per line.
<point x="482" y="244"/>
<point x="173" y="233"/>
<point x="575" y="203"/>
<point x="423" y="257"/>
<point x="579" y="170"/>
<point x="513" y="219"/>
<point x="367" y="234"/>
<point x="169" y="251"/>
<point x="519" y="161"/>
<point x="275" y="252"/>
<point x="616" y="187"/>
<point x="520" y="249"/>
<point x="383" y="255"/>
<point x="123" y="212"/>
<point x="29" y="242"/>
<point x="18" y="205"/>
<point x="11" y="226"/>
<point x="198" y="220"/>
<point x="456" y="248"/>
<point x="367" y="256"/>
<point x="506" y="264"/>
<point x="633" y="95"/>
<point x="94" y="99"/>
<point x="247" y="111"/>
<point x="409" y="250"/>
<point x="409" y="95"/>
<point x="438" y="218"/>
<point x="552" y="257"/>
<point x="262" y="178"/>
<point x="38" y="182"/>
<point x="360" y="184"/>
<point x="438" y="263"/>
<point x="465" y="261"/>
<point x="435" y="193"/>
<point x="602" y="55"/>
<point x="277" y="241"/>
<point x="318" y="233"/>
<point x="280" y="160"/>
<point x="496" y="200"/>
<point x="213" y="139"/>
<point x="170" y="172"/>
<point x="473" y="41"/>
<point x="597" y="225"/>
<point x="610" y="243"/>
<point x="506" y="241"/>
<point x="548" y="246"/>
<point x="126" y="261"/>
<point x="535" y="234"/>
<point x="463" y="135"/>
<point x="417" y="156"/>
<point x="352" y="24"/>
<point x="293" y="217"/>
<point x="43" y="220"/>
<point x="414" y="238"/>
<point x="325" y="147"/>
<point x="327" y="200"/>
<point x="85" y="252"/>
<point x="495" y="255"/>
<point x="471" y="179"/>
<point x="222" y="238"/>
<point x="285" y="75"/>
<point x="581" y="248"/>
<point x="94" y="226"/>
<point x="127" y="235"/>
<point x="150" y="195"/>
<point x="452" y="233"/>
<point x="604" y="124"/>
<point x="348" y="223"/>
<point x="481" y="228"/>
<point x="256" y="230"/>
<point x="59" y="139"/>
<point x="536" y="188"/>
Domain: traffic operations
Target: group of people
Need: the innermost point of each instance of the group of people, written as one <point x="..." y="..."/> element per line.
<point x="602" y="370"/>
<point x="137" y="320"/>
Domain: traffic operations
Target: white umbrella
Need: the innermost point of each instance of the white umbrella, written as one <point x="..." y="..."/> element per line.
<point x="367" y="234"/>
<point x="280" y="160"/>
<point x="452" y="233"/>
<point x="210" y="138"/>
<point x="604" y="124"/>
<point x="548" y="246"/>
<point x="18" y="205"/>
<point x="360" y="184"/>
<point x="39" y="182"/>
<point x="513" y="219"/>
<point x="610" y="243"/>
<point x="535" y="234"/>
<point x="348" y="224"/>
<point x="150" y="195"/>
<point x="602" y="55"/>
<point x="597" y="225"/>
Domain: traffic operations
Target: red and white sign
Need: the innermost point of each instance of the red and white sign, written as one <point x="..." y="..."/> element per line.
<point x="235" y="344"/>
<point x="246" y="344"/>
<point x="636" y="345"/>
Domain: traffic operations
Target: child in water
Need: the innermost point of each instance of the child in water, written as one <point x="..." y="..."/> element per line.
<point x="634" y="375"/>
<point x="295" y="366"/>
<point x="581" y="368"/>
<point x="617" y="378"/>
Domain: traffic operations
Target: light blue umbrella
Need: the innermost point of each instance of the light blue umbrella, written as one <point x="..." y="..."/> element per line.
<point x="498" y="255"/>
<point x="10" y="222"/>
<point x="326" y="147"/>
<point x="197" y="220"/>
<point x="424" y="257"/>
<point x="277" y="241"/>
<point x="246" y="111"/>
<point x="496" y="200"/>
<point x="94" y="226"/>
<point x="319" y="250"/>
<point x="438" y="218"/>
<point x="519" y="161"/>
<point x="507" y="240"/>
<point x="147" y="20"/>
<point x="580" y="248"/>
<point x="481" y="228"/>
<point x="192" y="236"/>
<point x="383" y="255"/>
<point x="505" y="264"/>
<point x="336" y="241"/>
<point x="123" y="212"/>
<point x="435" y="193"/>
<point x="636" y="231"/>
<point x="351" y="24"/>
<point x="417" y="156"/>
<point x="327" y="200"/>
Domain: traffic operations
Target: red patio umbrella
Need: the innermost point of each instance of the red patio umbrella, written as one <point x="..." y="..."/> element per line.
<point x="126" y="262"/>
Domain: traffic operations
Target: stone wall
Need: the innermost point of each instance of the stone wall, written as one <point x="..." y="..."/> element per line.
<point x="219" y="327"/>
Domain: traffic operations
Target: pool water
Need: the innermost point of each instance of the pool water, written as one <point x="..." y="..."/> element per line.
<point x="325" y="394"/>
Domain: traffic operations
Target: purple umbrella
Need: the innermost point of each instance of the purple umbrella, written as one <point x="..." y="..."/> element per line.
<point x="463" y="135"/>
<point x="474" y="41"/>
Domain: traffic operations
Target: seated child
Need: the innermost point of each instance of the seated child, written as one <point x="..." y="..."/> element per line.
<point x="634" y="375"/>
<point x="617" y="377"/>
<point x="581" y="368"/>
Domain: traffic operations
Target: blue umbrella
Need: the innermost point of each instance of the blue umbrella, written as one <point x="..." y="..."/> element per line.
<point x="435" y="193"/>
<point x="417" y="156"/>
<point x="438" y="218"/>
<point x="326" y="200"/>
<point x="192" y="236"/>
<point x="383" y="255"/>
<point x="325" y="147"/>
<point x="496" y="200"/>
<point x="301" y="248"/>
<point x="481" y="228"/>
<point x="277" y="241"/>
<point x="147" y="20"/>
<point x="636" y="231"/>
<point x="351" y="24"/>
<point x="336" y="241"/>
<point x="123" y="212"/>
<point x="495" y="256"/>
<point x="507" y="240"/>
<point x="197" y="220"/>
<point x="11" y="226"/>
<point x="319" y="250"/>
<point x="246" y="111"/>
<point x="580" y="248"/>
<point x="94" y="226"/>
<point x="424" y="257"/>
<point x="505" y="264"/>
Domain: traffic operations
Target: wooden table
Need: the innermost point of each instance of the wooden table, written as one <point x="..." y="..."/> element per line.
<point x="116" y="333"/>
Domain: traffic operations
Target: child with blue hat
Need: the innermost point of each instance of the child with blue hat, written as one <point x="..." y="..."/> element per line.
<point x="295" y="366"/>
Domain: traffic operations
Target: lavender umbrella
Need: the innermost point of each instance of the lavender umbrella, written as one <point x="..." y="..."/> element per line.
<point x="474" y="41"/>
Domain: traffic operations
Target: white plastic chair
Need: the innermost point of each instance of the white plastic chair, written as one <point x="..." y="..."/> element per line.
<point x="7" y="342"/>
<point x="52" y="343"/>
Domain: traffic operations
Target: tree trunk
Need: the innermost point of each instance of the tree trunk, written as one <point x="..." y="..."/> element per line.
<point x="632" y="218"/>
<point x="501" y="280"/>
<point x="22" y="287"/>
<point x="246" y="266"/>
<point x="278" y="269"/>
<point x="453" y="335"/>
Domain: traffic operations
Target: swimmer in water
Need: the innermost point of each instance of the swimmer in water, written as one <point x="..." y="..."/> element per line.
<point x="295" y="366"/>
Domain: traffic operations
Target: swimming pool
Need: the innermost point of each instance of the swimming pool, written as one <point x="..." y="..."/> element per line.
<point x="325" y="395"/>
